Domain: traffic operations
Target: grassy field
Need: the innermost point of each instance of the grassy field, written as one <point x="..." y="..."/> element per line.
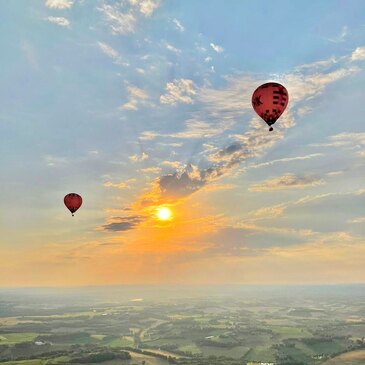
<point x="329" y="347"/>
<point x="260" y="353"/>
<point x="13" y="338"/>
<point x="123" y="341"/>
<point x="291" y="332"/>
<point x="235" y="352"/>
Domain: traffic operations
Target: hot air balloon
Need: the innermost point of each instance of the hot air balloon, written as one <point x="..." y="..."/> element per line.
<point x="269" y="101"/>
<point x="73" y="202"/>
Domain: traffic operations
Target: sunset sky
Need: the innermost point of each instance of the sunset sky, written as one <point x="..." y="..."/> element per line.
<point x="139" y="105"/>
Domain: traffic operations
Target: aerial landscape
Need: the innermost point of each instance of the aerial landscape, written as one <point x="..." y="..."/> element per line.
<point x="229" y="325"/>
<point x="182" y="182"/>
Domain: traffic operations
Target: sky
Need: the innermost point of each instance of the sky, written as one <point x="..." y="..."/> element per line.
<point x="139" y="105"/>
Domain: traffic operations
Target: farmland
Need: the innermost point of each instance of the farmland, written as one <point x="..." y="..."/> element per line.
<point x="190" y="327"/>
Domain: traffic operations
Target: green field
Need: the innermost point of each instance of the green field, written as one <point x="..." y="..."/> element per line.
<point x="12" y="338"/>
<point x="260" y="354"/>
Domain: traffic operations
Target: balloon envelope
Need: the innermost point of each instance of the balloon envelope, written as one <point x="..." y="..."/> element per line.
<point x="73" y="202"/>
<point x="269" y="101"/>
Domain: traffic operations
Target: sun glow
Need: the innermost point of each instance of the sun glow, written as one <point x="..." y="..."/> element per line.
<point x="163" y="213"/>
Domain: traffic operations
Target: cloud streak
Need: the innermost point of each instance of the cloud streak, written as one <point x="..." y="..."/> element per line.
<point x="136" y="97"/>
<point x="59" y="4"/>
<point x="122" y="224"/>
<point x="179" y="91"/>
<point x="112" y="53"/>
<point x="122" y="17"/>
<point x="287" y="181"/>
<point x="59" y="20"/>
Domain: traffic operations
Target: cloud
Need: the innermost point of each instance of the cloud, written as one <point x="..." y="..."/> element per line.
<point x="112" y="53"/>
<point x="122" y="17"/>
<point x="271" y="212"/>
<point x="181" y="184"/>
<point x="323" y="64"/>
<point x="179" y="91"/>
<point x="217" y="48"/>
<point x="172" y="48"/>
<point x="59" y="4"/>
<point x="358" y="54"/>
<point x="122" y="224"/>
<point x="341" y="36"/>
<point x="61" y="21"/>
<point x="175" y="164"/>
<point x="251" y="240"/>
<point x="55" y="161"/>
<point x="136" y="96"/>
<point x="357" y="220"/>
<point x="285" y="160"/>
<point x="223" y="107"/>
<point x="301" y="112"/>
<point x="178" y="25"/>
<point x="146" y="7"/>
<point x="226" y="105"/>
<point x="148" y="136"/>
<point x="121" y="185"/>
<point x="278" y="209"/>
<point x="152" y="170"/>
<point x="199" y="129"/>
<point x="137" y="158"/>
<point x="287" y="181"/>
<point x="344" y="140"/>
<point x="119" y="22"/>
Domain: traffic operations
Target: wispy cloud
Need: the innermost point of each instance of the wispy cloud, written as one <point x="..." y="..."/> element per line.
<point x="139" y="158"/>
<point x="54" y="161"/>
<point x="172" y="48"/>
<point x="199" y="129"/>
<point x="178" y="25"/>
<point x="120" y="22"/>
<point x="112" y="53"/>
<point x="287" y="181"/>
<point x="358" y="54"/>
<point x="181" y="184"/>
<point x="357" y="220"/>
<point x="135" y="98"/>
<point x="146" y="7"/>
<point x="323" y="64"/>
<point x="59" y="4"/>
<point x="277" y="210"/>
<point x="148" y="135"/>
<point x="349" y="140"/>
<point x="179" y="91"/>
<point x="120" y="185"/>
<point x="217" y="48"/>
<point x="177" y="165"/>
<point x="59" y="20"/>
<point x="151" y="170"/>
<point x="121" y="224"/>
<point x="285" y="160"/>
<point x="122" y="17"/>
<point x="341" y="36"/>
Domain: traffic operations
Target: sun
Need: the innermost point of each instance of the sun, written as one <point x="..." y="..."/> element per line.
<point x="163" y="213"/>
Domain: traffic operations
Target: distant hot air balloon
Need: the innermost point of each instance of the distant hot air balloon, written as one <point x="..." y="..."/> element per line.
<point x="269" y="101"/>
<point x="73" y="202"/>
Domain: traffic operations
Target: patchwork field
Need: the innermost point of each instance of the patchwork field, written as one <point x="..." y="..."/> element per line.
<point x="188" y="331"/>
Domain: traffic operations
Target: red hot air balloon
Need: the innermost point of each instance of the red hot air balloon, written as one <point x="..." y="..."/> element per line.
<point x="269" y="101"/>
<point x="73" y="202"/>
